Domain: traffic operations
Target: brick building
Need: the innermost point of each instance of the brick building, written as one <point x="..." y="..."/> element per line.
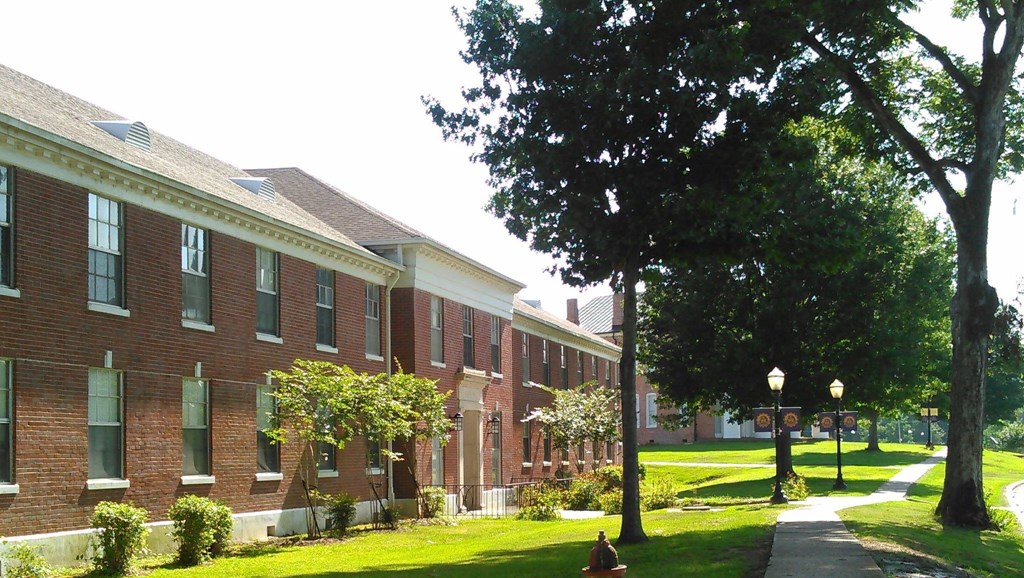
<point x="146" y="288"/>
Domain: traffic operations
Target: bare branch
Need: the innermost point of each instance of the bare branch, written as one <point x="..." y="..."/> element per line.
<point x="888" y="122"/>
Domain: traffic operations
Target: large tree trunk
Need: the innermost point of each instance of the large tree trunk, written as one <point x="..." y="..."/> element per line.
<point x="632" y="530"/>
<point x="972" y="313"/>
<point x="873" y="431"/>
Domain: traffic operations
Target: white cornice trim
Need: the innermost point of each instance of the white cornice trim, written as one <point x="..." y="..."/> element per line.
<point x="34" y="149"/>
<point x="546" y="330"/>
<point x="453" y="259"/>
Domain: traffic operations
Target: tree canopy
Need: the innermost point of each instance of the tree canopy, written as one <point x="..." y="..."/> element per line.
<point x="586" y="413"/>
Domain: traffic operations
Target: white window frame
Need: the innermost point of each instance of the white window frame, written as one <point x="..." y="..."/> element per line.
<point x="527" y="443"/>
<point x="436" y="329"/>
<point x="545" y="362"/>
<point x="7" y="420"/>
<point x="563" y="360"/>
<point x="495" y="344"/>
<point x="195" y="265"/>
<point x="652" y="403"/>
<point x="526" y="358"/>
<point x="468" y="341"/>
<point x="7" y="230"/>
<point x="372" y="314"/>
<point x="106" y="238"/>
<point x="94" y="419"/>
<point x="266" y="405"/>
<point x="325" y="306"/>
<point x="436" y="462"/>
<point x="579" y="366"/>
<point x="186" y="423"/>
<point x="268" y="282"/>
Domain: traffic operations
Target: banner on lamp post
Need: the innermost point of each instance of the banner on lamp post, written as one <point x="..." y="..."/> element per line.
<point x="790" y="419"/>
<point x="848" y="420"/>
<point x="763" y="419"/>
<point x="827" y="421"/>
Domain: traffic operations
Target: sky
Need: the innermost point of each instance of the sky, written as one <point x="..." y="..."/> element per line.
<point x="331" y="87"/>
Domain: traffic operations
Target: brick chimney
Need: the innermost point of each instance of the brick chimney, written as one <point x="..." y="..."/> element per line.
<point x="572" y="311"/>
<point x="617" y="301"/>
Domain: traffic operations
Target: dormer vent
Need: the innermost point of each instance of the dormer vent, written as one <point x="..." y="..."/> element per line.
<point x="259" y="186"/>
<point x="133" y="133"/>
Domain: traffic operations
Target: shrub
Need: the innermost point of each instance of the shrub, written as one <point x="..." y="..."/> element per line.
<point x="610" y="477"/>
<point x="340" y="509"/>
<point x="611" y="501"/>
<point x="643" y="472"/>
<point x="434" y="499"/>
<point x="583" y="493"/>
<point x="795" y="487"/>
<point x="388" y="517"/>
<point x="29" y="564"/>
<point x="202" y="528"/>
<point x="121" y="536"/>
<point x="1010" y="437"/>
<point x="656" y="494"/>
<point x="540" y="504"/>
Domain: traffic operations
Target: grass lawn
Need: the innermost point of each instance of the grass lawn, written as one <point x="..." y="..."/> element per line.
<point x="910" y="530"/>
<point x="732" y="543"/>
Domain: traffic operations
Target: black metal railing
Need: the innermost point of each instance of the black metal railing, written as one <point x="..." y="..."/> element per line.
<point x="491" y="501"/>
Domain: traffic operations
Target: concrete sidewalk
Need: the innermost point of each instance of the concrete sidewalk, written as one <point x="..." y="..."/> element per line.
<point x="813" y="541"/>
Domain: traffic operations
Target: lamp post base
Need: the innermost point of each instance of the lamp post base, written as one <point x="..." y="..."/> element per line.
<point x="779" y="496"/>
<point x="839" y="485"/>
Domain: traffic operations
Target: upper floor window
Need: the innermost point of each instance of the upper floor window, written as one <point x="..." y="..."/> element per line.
<point x="106" y="430"/>
<point x="544" y="362"/>
<point x="195" y="427"/>
<point x="267" y="305"/>
<point x="467" y="336"/>
<point x="6" y="463"/>
<point x="436" y="329"/>
<point x="526" y="358"/>
<point x="579" y="367"/>
<point x="593" y="367"/>
<point x="106" y="263"/>
<point x="372" y="319"/>
<point x="608" y="373"/>
<point x="6" y="229"/>
<point x="495" y="344"/>
<point x="195" y="275"/>
<point x="267" y="455"/>
<point x="325" y="307"/>
<point x="564" y="366"/>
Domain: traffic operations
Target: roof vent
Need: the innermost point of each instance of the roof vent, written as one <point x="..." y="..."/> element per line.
<point x="133" y="133"/>
<point x="259" y="186"/>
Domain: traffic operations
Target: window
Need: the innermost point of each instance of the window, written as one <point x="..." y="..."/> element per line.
<point x="637" y="417"/>
<point x="495" y="344"/>
<point x="325" y="307"/>
<point x="565" y="366"/>
<point x="328" y="460"/>
<point x="6" y="232"/>
<point x="267" y="306"/>
<point x="608" y="373"/>
<point x="593" y="367"/>
<point x="546" y="447"/>
<point x="106" y="435"/>
<point x="106" y="267"/>
<point x="373" y="455"/>
<point x="545" y="365"/>
<point x="195" y="430"/>
<point x="609" y="451"/>
<point x="436" y="462"/>
<point x="579" y="367"/>
<point x="436" y="329"/>
<point x="526" y="359"/>
<point x="6" y="463"/>
<point x="267" y="455"/>
<point x="652" y="410"/>
<point x="372" y="319"/>
<point x="467" y="336"/>
<point x="526" y="441"/>
<point x="195" y="275"/>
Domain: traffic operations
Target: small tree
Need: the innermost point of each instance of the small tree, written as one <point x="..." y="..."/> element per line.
<point x="576" y="416"/>
<point x="326" y="403"/>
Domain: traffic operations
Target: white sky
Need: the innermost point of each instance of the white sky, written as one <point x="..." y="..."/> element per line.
<point x="331" y="87"/>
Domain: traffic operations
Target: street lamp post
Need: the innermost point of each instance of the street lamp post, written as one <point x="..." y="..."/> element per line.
<point x="837" y="394"/>
<point x="775" y="380"/>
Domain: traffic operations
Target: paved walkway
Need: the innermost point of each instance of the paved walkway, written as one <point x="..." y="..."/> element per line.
<point x="813" y="541"/>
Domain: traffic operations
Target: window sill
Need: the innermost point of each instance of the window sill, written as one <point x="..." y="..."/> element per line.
<point x="9" y="489"/>
<point x="108" y="309"/>
<point x="197" y="480"/>
<point x="10" y="292"/>
<point x="197" y="325"/>
<point x="374" y="471"/>
<point x="267" y="338"/>
<point x="269" y="476"/>
<point x="326" y="348"/>
<point x="527" y="464"/>
<point x="327" y="474"/>
<point x="373" y="357"/>
<point x="546" y="464"/>
<point x="438" y="365"/>
<point x="107" y="484"/>
<point x="497" y="375"/>
<point x="609" y="461"/>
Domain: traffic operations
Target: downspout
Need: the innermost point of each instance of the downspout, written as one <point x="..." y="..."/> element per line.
<point x="388" y="359"/>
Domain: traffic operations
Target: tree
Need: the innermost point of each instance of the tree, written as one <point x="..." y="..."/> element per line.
<point x="586" y="413"/>
<point x="324" y="403"/>
<point x="876" y="319"/>
<point x="1004" y="388"/>
<point x="615" y="139"/>
<point x="954" y="123"/>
